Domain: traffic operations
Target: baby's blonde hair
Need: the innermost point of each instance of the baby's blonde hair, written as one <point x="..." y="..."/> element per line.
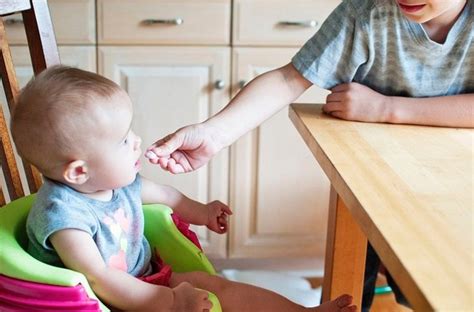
<point x="54" y="115"/>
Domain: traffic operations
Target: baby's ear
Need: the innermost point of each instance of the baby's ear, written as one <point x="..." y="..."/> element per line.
<point x="76" y="172"/>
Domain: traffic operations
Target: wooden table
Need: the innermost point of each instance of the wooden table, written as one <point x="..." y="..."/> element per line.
<point x="409" y="191"/>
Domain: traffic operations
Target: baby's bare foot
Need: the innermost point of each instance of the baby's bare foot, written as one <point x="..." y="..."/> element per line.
<point x="342" y="303"/>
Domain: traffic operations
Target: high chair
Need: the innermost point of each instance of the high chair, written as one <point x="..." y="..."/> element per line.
<point x="27" y="284"/>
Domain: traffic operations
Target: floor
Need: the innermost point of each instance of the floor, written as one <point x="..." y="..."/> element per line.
<point x="382" y="303"/>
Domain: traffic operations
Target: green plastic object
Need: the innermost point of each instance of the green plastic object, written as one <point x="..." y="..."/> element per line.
<point x="382" y="290"/>
<point x="166" y="238"/>
<point x="175" y="249"/>
<point x="17" y="263"/>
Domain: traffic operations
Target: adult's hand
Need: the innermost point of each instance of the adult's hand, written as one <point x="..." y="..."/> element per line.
<point x="186" y="150"/>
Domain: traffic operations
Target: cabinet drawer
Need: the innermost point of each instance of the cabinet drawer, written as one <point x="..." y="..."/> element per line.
<point x="167" y="22"/>
<point x="73" y="22"/>
<point x="278" y="22"/>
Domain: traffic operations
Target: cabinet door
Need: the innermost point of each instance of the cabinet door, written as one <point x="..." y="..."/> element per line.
<point x="78" y="56"/>
<point x="279" y="193"/>
<point x="171" y="87"/>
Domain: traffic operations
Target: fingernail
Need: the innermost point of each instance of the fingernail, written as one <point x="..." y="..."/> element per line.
<point x="150" y="155"/>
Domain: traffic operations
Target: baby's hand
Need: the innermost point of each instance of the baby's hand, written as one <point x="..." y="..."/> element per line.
<point x="190" y="299"/>
<point x="217" y="216"/>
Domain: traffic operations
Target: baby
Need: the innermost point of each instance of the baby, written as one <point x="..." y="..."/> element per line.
<point x="75" y="127"/>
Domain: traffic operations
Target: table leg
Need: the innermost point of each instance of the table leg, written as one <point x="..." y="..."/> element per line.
<point x="346" y="248"/>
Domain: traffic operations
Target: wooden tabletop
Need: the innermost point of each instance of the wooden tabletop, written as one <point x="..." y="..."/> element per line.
<point x="410" y="188"/>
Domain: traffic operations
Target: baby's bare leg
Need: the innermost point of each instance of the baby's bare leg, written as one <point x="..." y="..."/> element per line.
<point x="235" y="296"/>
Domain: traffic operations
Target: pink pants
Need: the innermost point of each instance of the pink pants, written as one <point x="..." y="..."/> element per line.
<point x="162" y="270"/>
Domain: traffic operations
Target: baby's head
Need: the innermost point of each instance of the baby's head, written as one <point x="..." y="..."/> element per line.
<point x="74" y="126"/>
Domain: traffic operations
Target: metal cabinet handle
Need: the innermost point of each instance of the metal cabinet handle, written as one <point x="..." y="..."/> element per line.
<point x="219" y="84"/>
<point x="152" y="21"/>
<point x="310" y="23"/>
<point x="13" y="21"/>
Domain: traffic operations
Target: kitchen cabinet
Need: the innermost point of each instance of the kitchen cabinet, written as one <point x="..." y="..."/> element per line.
<point x="280" y="206"/>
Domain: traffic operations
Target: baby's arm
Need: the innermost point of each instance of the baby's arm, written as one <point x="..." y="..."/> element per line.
<point x="78" y="252"/>
<point x="213" y="215"/>
<point x="353" y="101"/>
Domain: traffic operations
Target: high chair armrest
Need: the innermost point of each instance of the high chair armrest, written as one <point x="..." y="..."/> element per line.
<point x="174" y="248"/>
<point x="17" y="263"/>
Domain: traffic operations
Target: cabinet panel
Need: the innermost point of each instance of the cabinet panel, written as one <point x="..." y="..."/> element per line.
<point x="73" y="22"/>
<point x="171" y="87"/>
<point x="278" y="22"/>
<point x="170" y="22"/>
<point x="280" y="205"/>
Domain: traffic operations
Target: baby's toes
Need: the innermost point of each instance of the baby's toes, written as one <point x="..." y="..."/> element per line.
<point x="349" y="308"/>
<point x="343" y="301"/>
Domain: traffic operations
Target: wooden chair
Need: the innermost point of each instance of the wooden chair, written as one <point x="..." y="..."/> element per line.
<point x="44" y="53"/>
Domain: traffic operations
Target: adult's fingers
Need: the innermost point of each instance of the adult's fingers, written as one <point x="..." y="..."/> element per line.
<point x="180" y="159"/>
<point x="166" y="145"/>
<point x="175" y="167"/>
<point x="163" y="162"/>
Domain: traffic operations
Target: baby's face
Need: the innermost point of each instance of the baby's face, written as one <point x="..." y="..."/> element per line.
<point x="114" y="161"/>
<point x="422" y="11"/>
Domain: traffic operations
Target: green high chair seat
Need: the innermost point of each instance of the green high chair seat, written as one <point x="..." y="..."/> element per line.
<point x="15" y="263"/>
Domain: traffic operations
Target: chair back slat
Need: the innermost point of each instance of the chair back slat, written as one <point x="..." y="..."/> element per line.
<point x="40" y="36"/>
<point x="44" y="53"/>
<point x="9" y="165"/>
<point x="10" y="83"/>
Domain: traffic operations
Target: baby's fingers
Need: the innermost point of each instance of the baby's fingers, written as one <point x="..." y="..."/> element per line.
<point x="222" y="223"/>
<point x="226" y="210"/>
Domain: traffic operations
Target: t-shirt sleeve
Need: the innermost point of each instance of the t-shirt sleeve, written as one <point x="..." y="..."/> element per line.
<point x="56" y="216"/>
<point x="333" y="55"/>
